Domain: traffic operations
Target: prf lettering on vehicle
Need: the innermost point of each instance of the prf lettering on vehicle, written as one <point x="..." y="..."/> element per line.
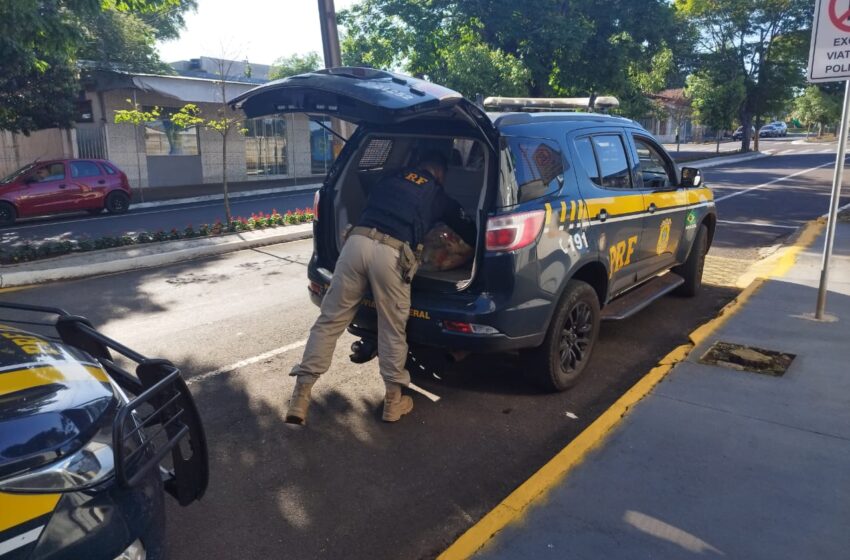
<point x="620" y="254"/>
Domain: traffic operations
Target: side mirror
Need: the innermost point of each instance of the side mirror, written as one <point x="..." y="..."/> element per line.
<point x="691" y="177"/>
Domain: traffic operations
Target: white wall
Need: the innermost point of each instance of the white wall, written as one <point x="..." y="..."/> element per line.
<point x="17" y="150"/>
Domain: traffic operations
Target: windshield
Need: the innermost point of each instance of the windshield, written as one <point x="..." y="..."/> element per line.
<point x="17" y="174"/>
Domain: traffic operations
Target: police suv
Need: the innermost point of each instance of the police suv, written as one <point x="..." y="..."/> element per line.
<point x="581" y="217"/>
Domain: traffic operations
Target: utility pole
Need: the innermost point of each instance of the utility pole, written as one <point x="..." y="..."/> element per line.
<point x="330" y="35"/>
<point x="333" y="58"/>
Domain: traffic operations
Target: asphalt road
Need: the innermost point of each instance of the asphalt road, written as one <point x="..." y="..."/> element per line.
<point x="347" y="485"/>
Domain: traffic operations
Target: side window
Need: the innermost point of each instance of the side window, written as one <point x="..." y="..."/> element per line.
<point x="84" y="169"/>
<point x="52" y="172"/>
<point x="613" y="165"/>
<point x="538" y="166"/>
<point x="588" y="159"/>
<point x="653" y="168"/>
<point x="109" y="169"/>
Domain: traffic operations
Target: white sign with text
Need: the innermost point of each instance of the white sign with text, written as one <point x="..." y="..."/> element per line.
<point x="829" y="57"/>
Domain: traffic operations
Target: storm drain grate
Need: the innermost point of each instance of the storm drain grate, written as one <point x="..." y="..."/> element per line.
<point x="748" y="358"/>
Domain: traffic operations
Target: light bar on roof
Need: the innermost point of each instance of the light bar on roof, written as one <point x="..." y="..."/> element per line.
<point x="551" y="103"/>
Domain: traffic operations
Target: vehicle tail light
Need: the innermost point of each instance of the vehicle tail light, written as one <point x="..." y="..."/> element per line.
<point x="457" y="326"/>
<point x="316" y="206"/>
<point x="514" y="231"/>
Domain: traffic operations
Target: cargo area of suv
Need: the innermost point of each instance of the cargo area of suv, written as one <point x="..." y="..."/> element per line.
<point x="381" y="154"/>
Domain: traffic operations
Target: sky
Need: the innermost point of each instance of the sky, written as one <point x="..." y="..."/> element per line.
<point x="259" y="30"/>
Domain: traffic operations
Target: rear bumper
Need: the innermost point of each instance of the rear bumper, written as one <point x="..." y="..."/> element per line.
<point x="429" y="311"/>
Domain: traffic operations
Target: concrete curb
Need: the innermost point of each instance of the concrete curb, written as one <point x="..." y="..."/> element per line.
<point x="723" y="160"/>
<point x="121" y="259"/>
<point x="213" y="197"/>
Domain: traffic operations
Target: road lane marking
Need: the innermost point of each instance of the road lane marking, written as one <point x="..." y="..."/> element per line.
<point x="806" y="151"/>
<point x="94" y="220"/>
<point x="246" y="362"/>
<point x="777" y="180"/>
<point x="755" y="223"/>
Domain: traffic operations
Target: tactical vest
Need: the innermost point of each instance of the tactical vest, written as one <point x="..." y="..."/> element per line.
<point x="402" y="206"/>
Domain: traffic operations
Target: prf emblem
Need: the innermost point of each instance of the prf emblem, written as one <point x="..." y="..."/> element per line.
<point x="416" y="178"/>
<point x="620" y="254"/>
<point x="663" y="236"/>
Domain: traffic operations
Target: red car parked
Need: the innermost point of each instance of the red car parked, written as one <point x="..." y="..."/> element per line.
<point x="65" y="185"/>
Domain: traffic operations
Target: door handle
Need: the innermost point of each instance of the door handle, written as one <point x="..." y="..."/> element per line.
<point x="101" y="182"/>
<point x="603" y="215"/>
<point x="652" y="208"/>
<point x="62" y="186"/>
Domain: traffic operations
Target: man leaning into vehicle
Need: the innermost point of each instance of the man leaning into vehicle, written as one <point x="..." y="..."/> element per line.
<point x="379" y="255"/>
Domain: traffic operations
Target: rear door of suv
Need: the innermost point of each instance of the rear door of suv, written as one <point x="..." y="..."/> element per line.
<point x="612" y="203"/>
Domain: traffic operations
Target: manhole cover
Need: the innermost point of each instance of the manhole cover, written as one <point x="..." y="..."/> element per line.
<point x="748" y="358"/>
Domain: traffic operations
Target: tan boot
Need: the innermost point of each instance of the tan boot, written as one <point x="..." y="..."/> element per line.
<point x="300" y="401"/>
<point x="396" y="405"/>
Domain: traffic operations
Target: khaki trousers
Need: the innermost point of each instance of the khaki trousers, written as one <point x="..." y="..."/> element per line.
<point x="364" y="263"/>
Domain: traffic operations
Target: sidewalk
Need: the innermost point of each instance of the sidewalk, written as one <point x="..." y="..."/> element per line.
<point x="696" y="151"/>
<point x="712" y="462"/>
<point x="158" y="196"/>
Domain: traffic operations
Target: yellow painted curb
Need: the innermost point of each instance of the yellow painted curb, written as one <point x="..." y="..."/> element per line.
<point x="779" y="263"/>
<point x="512" y="508"/>
<point x="14" y="289"/>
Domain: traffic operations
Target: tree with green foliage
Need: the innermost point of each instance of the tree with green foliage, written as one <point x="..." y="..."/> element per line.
<point x="42" y="40"/>
<point x="121" y="41"/>
<point x="715" y="101"/>
<point x="765" y="42"/>
<point x="815" y="107"/>
<point x="581" y="47"/>
<point x="295" y="64"/>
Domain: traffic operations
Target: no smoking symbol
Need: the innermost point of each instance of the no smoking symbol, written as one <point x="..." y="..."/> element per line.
<point x="839" y="20"/>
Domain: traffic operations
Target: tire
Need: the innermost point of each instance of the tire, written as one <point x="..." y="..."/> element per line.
<point x="691" y="269"/>
<point x="94" y="211"/>
<point x="558" y="363"/>
<point x="8" y="214"/>
<point x="117" y="202"/>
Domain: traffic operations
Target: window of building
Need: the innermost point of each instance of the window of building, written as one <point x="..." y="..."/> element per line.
<point x="265" y="146"/>
<point x="321" y="147"/>
<point x="164" y="138"/>
<point x="84" y="169"/>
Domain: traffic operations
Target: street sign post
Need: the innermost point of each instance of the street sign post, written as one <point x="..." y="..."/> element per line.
<point x="829" y="61"/>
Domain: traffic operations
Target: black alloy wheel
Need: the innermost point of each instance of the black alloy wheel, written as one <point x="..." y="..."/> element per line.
<point x="558" y="363"/>
<point x="575" y="337"/>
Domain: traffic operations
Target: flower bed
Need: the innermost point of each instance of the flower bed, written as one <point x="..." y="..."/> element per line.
<point x="34" y="251"/>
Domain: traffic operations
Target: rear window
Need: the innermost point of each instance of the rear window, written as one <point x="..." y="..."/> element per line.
<point x="538" y="167"/>
<point x="376" y="153"/>
<point x="84" y="169"/>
